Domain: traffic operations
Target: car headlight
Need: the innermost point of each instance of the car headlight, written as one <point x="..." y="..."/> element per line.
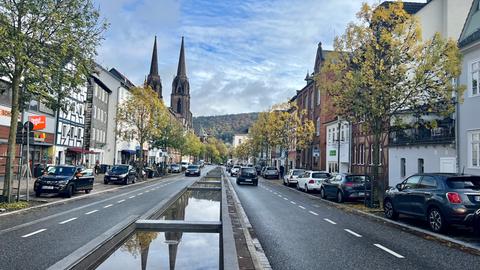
<point x="123" y="175"/>
<point x="107" y="174"/>
<point x="62" y="183"/>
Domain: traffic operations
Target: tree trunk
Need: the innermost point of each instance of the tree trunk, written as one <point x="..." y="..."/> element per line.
<point x="377" y="193"/>
<point x="141" y="158"/>
<point x="12" y="136"/>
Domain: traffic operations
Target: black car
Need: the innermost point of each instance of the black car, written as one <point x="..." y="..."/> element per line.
<point x="247" y="175"/>
<point x="439" y="198"/>
<point x="123" y="174"/>
<point x="193" y="170"/>
<point x="64" y="180"/>
<point x="344" y="187"/>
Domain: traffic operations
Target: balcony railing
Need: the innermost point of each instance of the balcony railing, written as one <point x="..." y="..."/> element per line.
<point x="422" y="135"/>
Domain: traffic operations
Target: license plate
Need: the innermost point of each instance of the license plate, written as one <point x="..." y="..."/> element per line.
<point x="48" y="187"/>
<point x="477" y="198"/>
<point x="248" y="180"/>
<point x="113" y="178"/>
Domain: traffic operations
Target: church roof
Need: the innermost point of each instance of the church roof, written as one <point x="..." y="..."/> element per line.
<point x="182" y="69"/>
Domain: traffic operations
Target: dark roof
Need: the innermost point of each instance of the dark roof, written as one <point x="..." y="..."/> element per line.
<point x="122" y="77"/>
<point x="464" y="41"/>
<point x="410" y="7"/>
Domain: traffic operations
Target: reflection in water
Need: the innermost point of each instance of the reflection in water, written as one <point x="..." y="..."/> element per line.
<point x="195" y="205"/>
<point x="195" y="251"/>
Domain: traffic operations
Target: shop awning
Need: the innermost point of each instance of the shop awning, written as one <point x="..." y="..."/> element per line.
<point x="81" y="150"/>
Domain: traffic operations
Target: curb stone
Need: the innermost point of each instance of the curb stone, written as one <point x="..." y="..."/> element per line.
<point x="465" y="246"/>
<point x="260" y="260"/>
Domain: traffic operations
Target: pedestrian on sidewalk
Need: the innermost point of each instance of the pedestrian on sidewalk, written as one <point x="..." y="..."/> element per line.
<point x="282" y="171"/>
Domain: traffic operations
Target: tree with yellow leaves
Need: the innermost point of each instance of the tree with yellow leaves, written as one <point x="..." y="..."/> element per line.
<point x="381" y="66"/>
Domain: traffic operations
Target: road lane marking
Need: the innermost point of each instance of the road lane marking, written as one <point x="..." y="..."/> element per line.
<point x="140" y="193"/>
<point x="121" y="201"/>
<point x="147" y="191"/>
<point x="313" y="213"/>
<point x="106" y="206"/>
<point x="131" y="197"/>
<point x="293" y="202"/>
<point x="301" y="207"/>
<point x="330" y="221"/>
<point x="389" y="251"/>
<point x="33" y="233"/>
<point x="279" y="195"/>
<point x="68" y="220"/>
<point x="91" y="212"/>
<point x="275" y="193"/>
<point x="285" y="198"/>
<point x="352" y="233"/>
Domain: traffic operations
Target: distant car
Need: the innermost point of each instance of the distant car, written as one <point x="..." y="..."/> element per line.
<point x="235" y="169"/>
<point x="174" y="168"/>
<point x="271" y="172"/>
<point x="193" y="170"/>
<point x="344" y="187"/>
<point x="258" y="168"/>
<point x="64" y="180"/>
<point x="184" y="165"/>
<point x="439" y="198"/>
<point x="123" y="174"/>
<point x="292" y="176"/>
<point x="247" y="175"/>
<point x="311" y="180"/>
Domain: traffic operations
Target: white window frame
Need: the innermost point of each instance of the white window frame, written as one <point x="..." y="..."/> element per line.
<point x="470" y="77"/>
<point x="318" y="97"/>
<point x="471" y="142"/>
<point x="318" y="126"/>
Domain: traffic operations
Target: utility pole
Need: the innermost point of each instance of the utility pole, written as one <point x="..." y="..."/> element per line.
<point x="338" y="144"/>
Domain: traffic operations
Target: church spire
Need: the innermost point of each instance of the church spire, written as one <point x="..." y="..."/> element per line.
<point x="182" y="70"/>
<point x="153" y="79"/>
<point x="154" y="63"/>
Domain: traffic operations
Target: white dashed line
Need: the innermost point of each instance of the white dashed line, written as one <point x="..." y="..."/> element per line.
<point x="91" y="212"/>
<point x="140" y="193"/>
<point x="301" y="207"/>
<point x="33" y="233"/>
<point x="330" y="221"/>
<point x="293" y="202"/>
<point x="131" y="197"/>
<point x="279" y="195"/>
<point x="106" y="206"/>
<point x="275" y="193"/>
<point x="313" y="213"/>
<point x="389" y="251"/>
<point x="121" y="201"/>
<point x="353" y="233"/>
<point x="68" y="220"/>
<point x="286" y="199"/>
<point x="147" y="191"/>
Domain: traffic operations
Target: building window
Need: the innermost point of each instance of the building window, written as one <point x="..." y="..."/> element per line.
<point x="93" y="134"/>
<point x="354" y="155"/>
<point x="361" y="151"/>
<point x="421" y="168"/>
<point x="475" y="71"/>
<point x="79" y="133"/>
<point x="318" y="97"/>
<point x="403" y="169"/>
<point x="371" y="154"/>
<point x="317" y="127"/>
<point x="96" y="89"/>
<point x="64" y="131"/>
<point x="94" y="112"/>
<point x="474" y="148"/>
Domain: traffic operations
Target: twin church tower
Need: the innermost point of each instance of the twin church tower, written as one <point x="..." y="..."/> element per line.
<point x="180" y="97"/>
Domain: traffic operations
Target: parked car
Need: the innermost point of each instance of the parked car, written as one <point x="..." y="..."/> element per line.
<point x="193" y="170"/>
<point x="64" y="180"/>
<point x="184" y="165"/>
<point x="123" y="174"/>
<point x="344" y="187"/>
<point x="247" y="175"/>
<point x="439" y="198"/>
<point x="292" y="176"/>
<point x="234" y="171"/>
<point x="311" y="180"/>
<point x="271" y="172"/>
<point x="174" y="168"/>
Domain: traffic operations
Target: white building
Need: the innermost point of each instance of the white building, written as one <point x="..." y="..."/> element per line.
<point x="421" y="149"/>
<point x="338" y="146"/>
<point x="239" y="139"/>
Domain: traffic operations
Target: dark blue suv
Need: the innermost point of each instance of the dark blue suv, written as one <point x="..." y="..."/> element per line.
<point x="439" y="198"/>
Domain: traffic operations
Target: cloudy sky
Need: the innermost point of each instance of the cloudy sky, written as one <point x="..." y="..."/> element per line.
<point x="242" y="55"/>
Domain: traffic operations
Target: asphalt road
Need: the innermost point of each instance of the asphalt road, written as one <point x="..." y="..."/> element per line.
<point x="300" y="232"/>
<point x="38" y="238"/>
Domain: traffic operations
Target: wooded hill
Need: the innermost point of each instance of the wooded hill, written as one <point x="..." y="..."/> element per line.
<point x="223" y="127"/>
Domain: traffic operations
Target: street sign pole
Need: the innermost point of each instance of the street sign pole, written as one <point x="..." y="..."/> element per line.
<point x="28" y="158"/>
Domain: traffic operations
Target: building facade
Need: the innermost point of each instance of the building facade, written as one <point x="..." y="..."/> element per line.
<point x="337" y="154"/>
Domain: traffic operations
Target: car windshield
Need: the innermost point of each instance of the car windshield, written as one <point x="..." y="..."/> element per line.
<point x="119" y="169"/>
<point x="464" y="183"/>
<point x="320" y="175"/>
<point x="192" y="167"/>
<point x="357" y="178"/>
<point x="271" y="168"/>
<point x="298" y="172"/>
<point x="62" y="171"/>
<point x="248" y="170"/>
<point x="174" y="166"/>
<point x="238" y="167"/>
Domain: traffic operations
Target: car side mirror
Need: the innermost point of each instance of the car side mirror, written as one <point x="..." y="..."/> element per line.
<point x="399" y="186"/>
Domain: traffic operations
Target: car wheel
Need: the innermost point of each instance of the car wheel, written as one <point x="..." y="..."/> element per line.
<point x="134" y="180"/>
<point x="238" y="183"/>
<point x="125" y="182"/>
<point x="339" y="197"/>
<point x="37" y="193"/>
<point x="322" y="194"/>
<point x="255" y="184"/>
<point x="436" y="220"/>
<point x="87" y="191"/>
<point x="389" y="211"/>
<point x="69" y="192"/>
<point x="306" y="188"/>
<point x="105" y="182"/>
<point x="298" y="186"/>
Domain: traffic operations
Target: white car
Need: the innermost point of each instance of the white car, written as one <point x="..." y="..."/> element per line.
<point x="312" y="180"/>
<point x="185" y="165"/>
<point x="292" y="176"/>
<point x="235" y="170"/>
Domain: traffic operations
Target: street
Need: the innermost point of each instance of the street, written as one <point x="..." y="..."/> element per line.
<point x="39" y="238"/>
<point x="300" y="232"/>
